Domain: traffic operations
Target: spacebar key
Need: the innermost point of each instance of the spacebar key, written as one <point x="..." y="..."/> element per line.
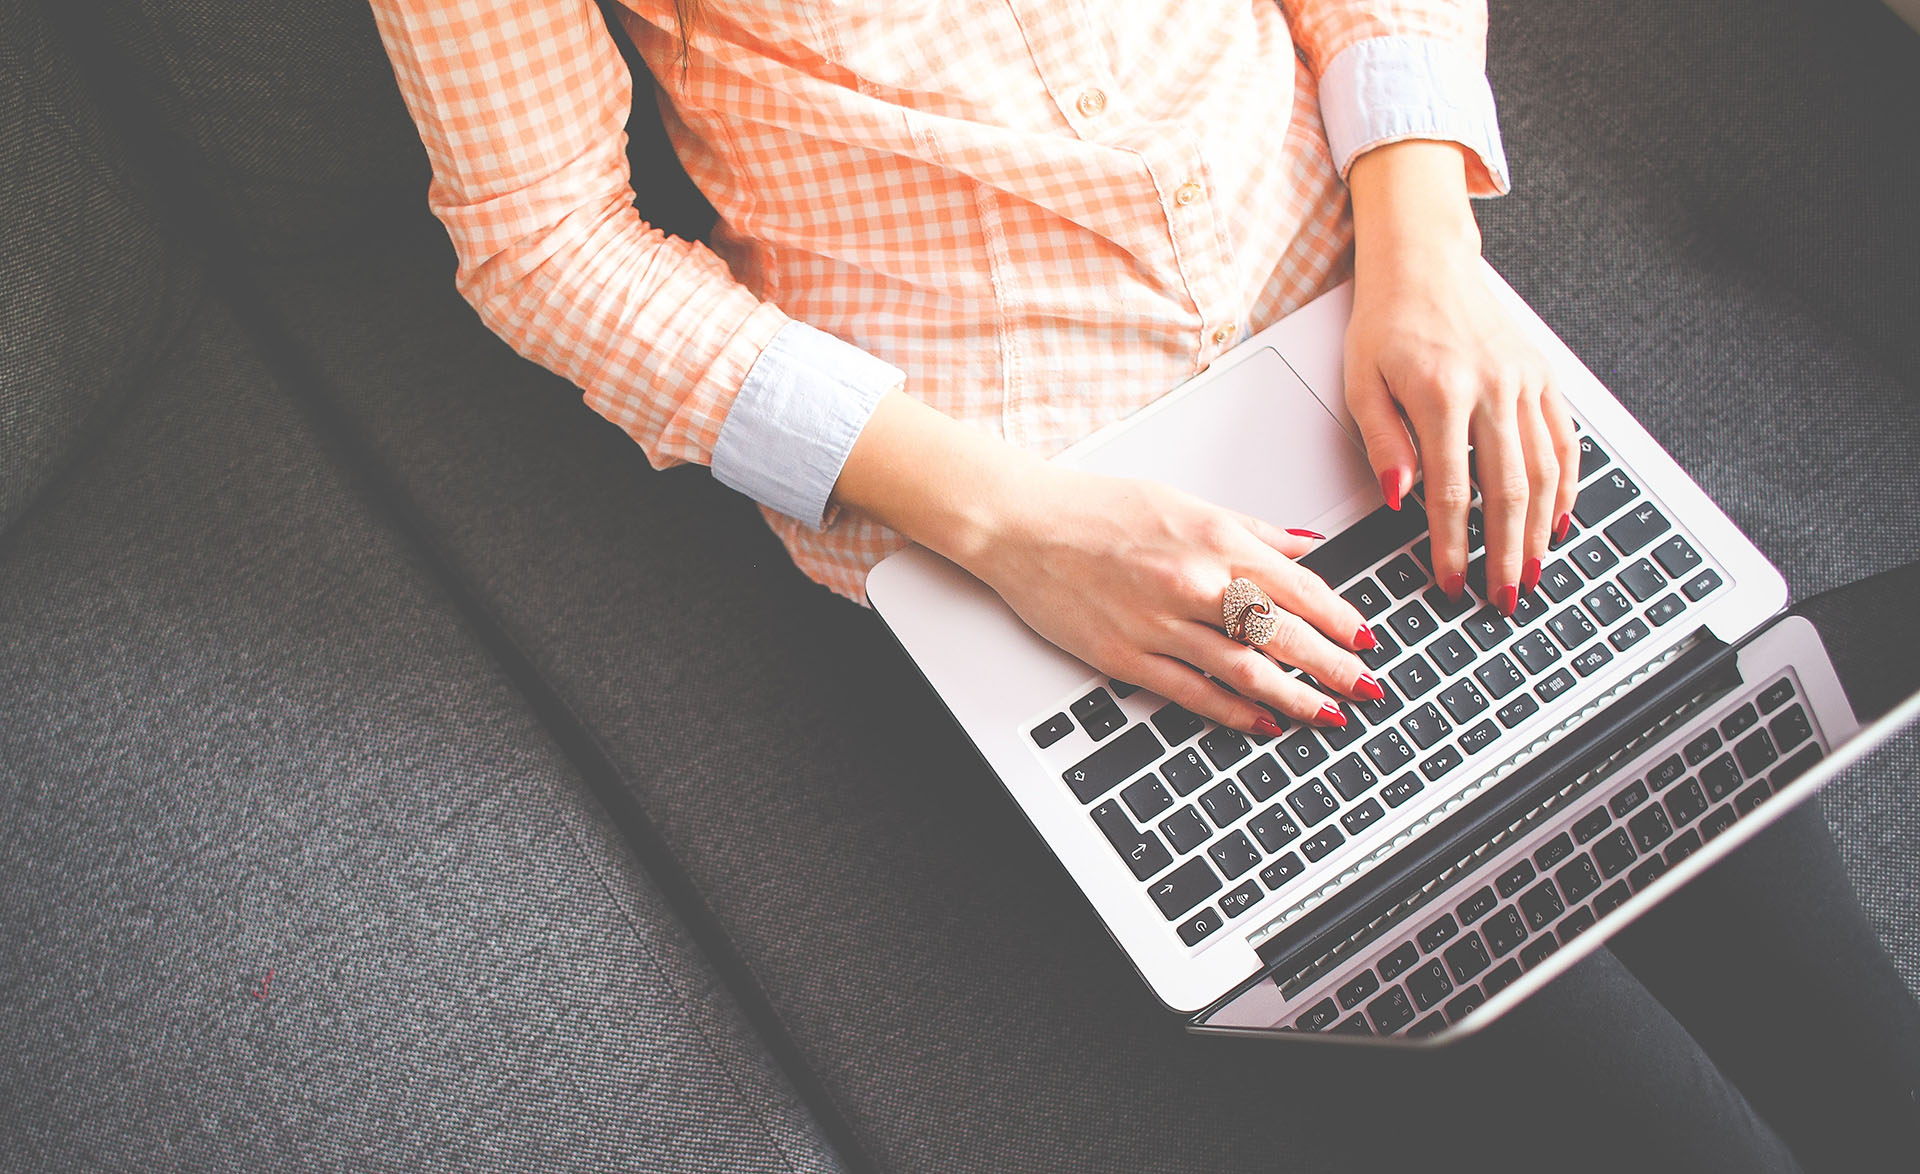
<point x="1365" y="543"/>
<point x="1116" y="762"/>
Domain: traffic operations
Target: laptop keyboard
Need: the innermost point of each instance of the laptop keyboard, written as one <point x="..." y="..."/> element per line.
<point x="1555" y="882"/>
<point x="1213" y="822"/>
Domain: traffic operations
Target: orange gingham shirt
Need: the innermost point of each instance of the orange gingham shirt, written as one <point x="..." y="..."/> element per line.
<point x="1035" y="215"/>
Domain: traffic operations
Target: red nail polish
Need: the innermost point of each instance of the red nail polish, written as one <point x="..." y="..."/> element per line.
<point x="1454" y="585"/>
<point x="1390" y="486"/>
<point x="1364" y="640"/>
<point x="1506" y="599"/>
<point x="1368" y="688"/>
<point x="1330" y="715"/>
<point x="1266" y="727"/>
<point x="1529" y="575"/>
<point x="1317" y="537"/>
<point x="1561" y="527"/>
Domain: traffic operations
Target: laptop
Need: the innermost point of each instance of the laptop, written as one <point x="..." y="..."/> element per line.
<point x="1526" y="787"/>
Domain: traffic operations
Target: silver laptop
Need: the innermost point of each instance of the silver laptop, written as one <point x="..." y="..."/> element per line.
<point x="1526" y="787"/>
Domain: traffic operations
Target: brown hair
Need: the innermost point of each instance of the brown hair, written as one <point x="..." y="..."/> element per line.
<point x="686" y="15"/>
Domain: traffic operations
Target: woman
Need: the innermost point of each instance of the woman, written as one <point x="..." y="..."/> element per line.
<point x="955" y="237"/>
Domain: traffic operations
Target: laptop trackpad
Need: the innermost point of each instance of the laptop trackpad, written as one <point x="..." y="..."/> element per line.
<point x="1253" y="438"/>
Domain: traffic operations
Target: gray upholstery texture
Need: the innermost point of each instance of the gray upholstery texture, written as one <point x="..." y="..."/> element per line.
<point x="293" y="878"/>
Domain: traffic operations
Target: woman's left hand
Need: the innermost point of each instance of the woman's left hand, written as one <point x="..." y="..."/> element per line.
<point x="1432" y="349"/>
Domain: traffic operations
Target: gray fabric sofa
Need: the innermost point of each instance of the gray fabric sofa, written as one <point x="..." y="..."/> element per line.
<point x="575" y="828"/>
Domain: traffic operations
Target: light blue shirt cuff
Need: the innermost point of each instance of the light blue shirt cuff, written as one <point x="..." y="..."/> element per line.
<point x="1385" y="89"/>
<point x="804" y="401"/>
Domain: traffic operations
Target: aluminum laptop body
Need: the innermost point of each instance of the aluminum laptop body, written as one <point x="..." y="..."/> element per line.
<point x="1412" y="878"/>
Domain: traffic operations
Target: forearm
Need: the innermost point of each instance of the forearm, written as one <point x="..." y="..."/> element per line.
<point x="1410" y="199"/>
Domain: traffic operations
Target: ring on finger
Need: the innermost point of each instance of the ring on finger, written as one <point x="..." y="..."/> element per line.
<point x="1248" y="613"/>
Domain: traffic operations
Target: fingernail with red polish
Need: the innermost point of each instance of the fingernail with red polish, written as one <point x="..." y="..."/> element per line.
<point x="1455" y="584"/>
<point x="1330" y="715"/>
<point x="1529" y="575"/>
<point x="1390" y="486"/>
<point x="1561" y="527"/>
<point x="1369" y="688"/>
<point x="1317" y="537"/>
<point x="1364" y="639"/>
<point x="1506" y="599"/>
<point x="1266" y="727"/>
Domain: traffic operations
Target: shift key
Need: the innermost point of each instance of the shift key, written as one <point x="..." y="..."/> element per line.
<point x="1112" y="764"/>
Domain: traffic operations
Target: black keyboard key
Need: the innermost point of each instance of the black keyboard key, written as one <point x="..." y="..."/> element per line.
<point x="1402" y="789"/>
<point x="1186" y="771"/>
<point x="1501" y="977"/>
<point x="1667" y="772"/>
<point x="1611" y="898"/>
<point x="1351" y="777"/>
<point x="1438" y="934"/>
<point x="1262" y="778"/>
<point x="1282" y="870"/>
<point x="1558" y="581"/>
<point x="1554" y="686"/>
<point x="1224" y="747"/>
<point x="1591" y="824"/>
<point x="1448" y="609"/>
<point x="1601" y="497"/>
<point x="1377" y="712"/>
<point x="1628" y="799"/>
<point x="1503" y="931"/>
<point x="1687" y="803"/>
<point x="1594" y="558"/>
<point x="1676" y="556"/>
<point x="1698" y="748"/>
<point x="1414" y="676"/>
<point x="1571" y="628"/>
<point x="1322" y="842"/>
<point x="1234" y="854"/>
<point x="1684" y="845"/>
<point x="1300" y="751"/>
<point x="1241" y="899"/>
<point x="1102" y="722"/>
<point x="1578" y="880"/>
<point x="1613" y="852"/>
<point x="1739" y="722"/>
<point x="1637" y="527"/>
<point x="1776" y="695"/>
<point x="1629" y="634"/>
<point x="1536" y="652"/>
<point x="1147" y="798"/>
<point x="1701" y="584"/>
<point x="1318" y="1017"/>
<point x="1479" y="737"/>
<point x="1464" y="1004"/>
<point x="1185" y="830"/>
<point x="1592" y="457"/>
<point x="1540" y="905"/>
<point x="1338" y="738"/>
<point x="1175" y="724"/>
<point x="1467" y="957"/>
<point x="1114" y="763"/>
<point x="1750" y="798"/>
<point x="1574" y="924"/>
<point x="1426" y="726"/>
<point x="1641" y="580"/>
<point x="1646" y="872"/>
<point x="1592" y="659"/>
<point x="1462" y="700"/>
<point x="1440" y="763"/>
<point x="1312" y="802"/>
<point x="1122" y="689"/>
<point x="1428" y="984"/>
<point x="1518" y="710"/>
<point x="1451" y="653"/>
<point x="1607" y="604"/>
<point x="1052" y="730"/>
<point x="1756" y="753"/>
<point x="1093" y="702"/>
<point x="1796" y="766"/>
<point x="1356" y="989"/>
<point x="1488" y="628"/>
<point x="1790" y="728"/>
<point x="1274" y="828"/>
<point x="1364" y="543"/>
<point x="1199" y="926"/>
<point x="1225" y="804"/>
<point x="1396" y="963"/>
<point x="1354" y="1024"/>
<point x="1720" y="778"/>
<point x="1402" y="577"/>
<point x="1537" y="951"/>
<point x="1184" y="887"/>
<point x="1514" y="878"/>
<point x="1388" y="752"/>
<point x="1650" y="828"/>
<point x="1391" y="1011"/>
<point x="1384" y="649"/>
<point x="1717" y="821"/>
<point x="1143" y="851"/>
<point x="1499" y="677"/>
<point x="1553" y="851"/>
<point x="1530" y="607"/>
<point x="1367" y="598"/>
<point x="1362" y="817"/>
<point x="1477" y="906"/>
<point x="1666" y="609"/>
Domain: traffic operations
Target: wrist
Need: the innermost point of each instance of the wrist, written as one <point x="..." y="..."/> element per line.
<point x="1410" y="203"/>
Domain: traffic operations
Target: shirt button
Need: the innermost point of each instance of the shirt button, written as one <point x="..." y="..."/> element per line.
<point x="1222" y="335"/>
<point x="1186" y="193"/>
<point x="1092" y="102"/>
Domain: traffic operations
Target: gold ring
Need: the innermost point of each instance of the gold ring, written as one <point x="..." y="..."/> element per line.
<point x="1248" y="613"/>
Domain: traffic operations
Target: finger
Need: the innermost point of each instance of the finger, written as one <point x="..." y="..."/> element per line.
<point x="1443" y="450"/>
<point x="1252" y="674"/>
<point x="1292" y="542"/>
<point x="1543" y="487"/>
<point x="1504" y="486"/>
<point x="1298" y="592"/>
<point x="1190" y="689"/>
<point x="1566" y="446"/>
<point x="1382" y="429"/>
